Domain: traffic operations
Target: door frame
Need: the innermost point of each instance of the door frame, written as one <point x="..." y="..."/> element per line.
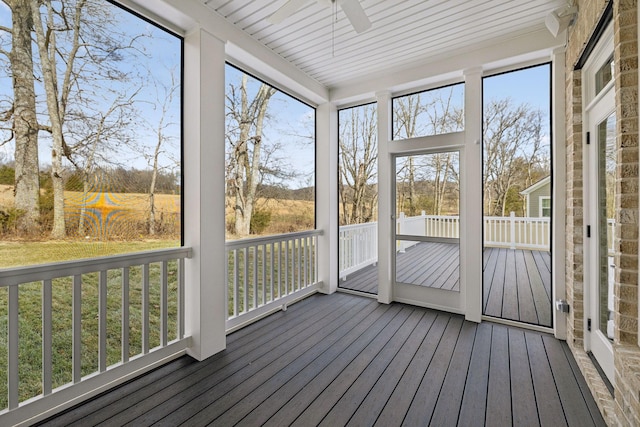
<point x="450" y="301"/>
<point x="597" y="108"/>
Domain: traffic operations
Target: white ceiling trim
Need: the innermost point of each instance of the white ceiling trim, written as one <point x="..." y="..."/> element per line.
<point x="443" y="69"/>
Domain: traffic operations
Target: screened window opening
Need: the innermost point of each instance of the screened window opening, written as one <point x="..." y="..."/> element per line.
<point x="270" y="159"/>
<point x="432" y="112"/>
<point x="103" y="173"/>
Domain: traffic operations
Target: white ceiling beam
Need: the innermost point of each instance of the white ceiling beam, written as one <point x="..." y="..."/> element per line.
<point x="513" y="51"/>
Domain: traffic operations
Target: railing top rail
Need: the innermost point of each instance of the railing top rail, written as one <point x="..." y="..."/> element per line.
<point x="518" y="218"/>
<point x="243" y="243"/>
<point x="17" y="275"/>
<point x="357" y="226"/>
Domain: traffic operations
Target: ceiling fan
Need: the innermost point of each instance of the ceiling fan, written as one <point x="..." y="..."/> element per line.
<point x="351" y="8"/>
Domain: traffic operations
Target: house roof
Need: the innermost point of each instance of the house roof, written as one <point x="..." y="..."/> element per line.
<point x="541" y="183"/>
<point x="405" y="34"/>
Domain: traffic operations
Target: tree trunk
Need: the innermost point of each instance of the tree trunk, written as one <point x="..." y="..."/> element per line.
<point x="25" y="122"/>
<point x="46" y="48"/>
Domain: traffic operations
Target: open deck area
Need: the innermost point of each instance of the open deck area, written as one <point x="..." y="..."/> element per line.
<point x="347" y="360"/>
<point x="517" y="282"/>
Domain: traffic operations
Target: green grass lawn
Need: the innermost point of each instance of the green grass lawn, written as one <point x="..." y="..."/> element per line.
<point x="30" y="304"/>
<point x="30" y="311"/>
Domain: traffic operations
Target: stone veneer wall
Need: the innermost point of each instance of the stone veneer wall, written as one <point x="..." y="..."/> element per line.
<point x="625" y="409"/>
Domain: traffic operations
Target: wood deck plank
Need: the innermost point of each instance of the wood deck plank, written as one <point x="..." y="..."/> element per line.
<point x="184" y="394"/>
<point x="541" y="299"/>
<point x="496" y="295"/>
<point x="351" y="400"/>
<point x="426" y="396"/>
<point x="261" y="385"/>
<point x="488" y="270"/>
<point x="354" y="361"/>
<point x="448" y="405"/>
<point x="510" y="292"/>
<point x="155" y="392"/>
<point x="287" y="413"/>
<point x="498" y="411"/>
<point x="315" y="412"/>
<point x="550" y="410"/>
<point x="574" y="405"/>
<point x="525" y="412"/>
<point x="377" y="398"/>
<point x="474" y="399"/>
<point x="526" y="305"/>
<point x="398" y="404"/>
<point x="197" y="398"/>
<point x="584" y="387"/>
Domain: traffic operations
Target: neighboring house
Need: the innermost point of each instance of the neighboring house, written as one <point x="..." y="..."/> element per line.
<point x="538" y="199"/>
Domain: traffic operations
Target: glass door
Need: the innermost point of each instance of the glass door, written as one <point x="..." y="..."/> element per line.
<point x="601" y="232"/>
<point x="600" y="195"/>
<point x="427" y="222"/>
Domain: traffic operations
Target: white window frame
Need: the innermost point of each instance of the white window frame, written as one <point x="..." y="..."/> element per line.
<point x="541" y="208"/>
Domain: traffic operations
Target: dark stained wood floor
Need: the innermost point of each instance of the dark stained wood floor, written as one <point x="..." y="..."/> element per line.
<point x="517" y="282"/>
<point x="517" y="285"/>
<point x="348" y="360"/>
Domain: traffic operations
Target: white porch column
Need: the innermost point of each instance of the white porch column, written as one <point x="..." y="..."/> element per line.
<point x="326" y="196"/>
<point x="471" y="199"/>
<point x="558" y="189"/>
<point x="385" y="206"/>
<point x="203" y="169"/>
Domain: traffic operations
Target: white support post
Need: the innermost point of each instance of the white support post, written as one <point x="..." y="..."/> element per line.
<point x="558" y="290"/>
<point x="385" y="206"/>
<point x="400" y="229"/>
<point x="512" y="229"/>
<point x="326" y="187"/>
<point x="204" y="228"/>
<point x="471" y="197"/>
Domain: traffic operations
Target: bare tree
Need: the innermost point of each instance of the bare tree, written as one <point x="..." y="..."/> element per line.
<point x="24" y="129"/>
<point x="358" y="141"/>
<point x="427" y="113"/>
<point x="245" y="141"/>
<point x="165" y="95"/>
<point x="513" y="152"/>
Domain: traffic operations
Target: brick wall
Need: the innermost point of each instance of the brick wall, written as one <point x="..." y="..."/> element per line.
<point x="625" y="410"/>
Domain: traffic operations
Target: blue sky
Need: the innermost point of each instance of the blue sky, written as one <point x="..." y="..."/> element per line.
<point x="530" y="85"/>
<point x="155" y="56"/>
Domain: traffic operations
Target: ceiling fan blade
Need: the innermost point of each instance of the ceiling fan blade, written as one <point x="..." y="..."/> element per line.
<point x="285" y="11"/>
<point x="355" y="14"/>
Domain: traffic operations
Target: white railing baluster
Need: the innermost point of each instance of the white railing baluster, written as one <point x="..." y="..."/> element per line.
<point x="280" y="266"/>
<point x="46" y="275"/>
<point x="12" y="371"/>
<point x="272" y="266"/>
<point x="236" y="283"/>
<point x="255" y="276"/>
<point x="286" y="266"/>
<point x="102" y="321"/>
<point x="264" y="274"/>
<point x="77" y="328"/>
<point x="181" y="315"/>
<point x="164" y="304"/>
<point x="245" y="281"/>
<point x="145" y="308"/>
<point x="47" y="339"/>
<point x="124" y="320"/>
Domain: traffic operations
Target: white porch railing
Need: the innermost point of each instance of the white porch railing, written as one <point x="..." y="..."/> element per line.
<point x="517" y="232"/>
<point x="358" y="245"/>
<point x="266" y="273"/>
<point x="145" y="290"/>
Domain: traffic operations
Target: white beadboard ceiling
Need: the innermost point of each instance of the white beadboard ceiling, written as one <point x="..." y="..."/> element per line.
<point x="404" y="32"/>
